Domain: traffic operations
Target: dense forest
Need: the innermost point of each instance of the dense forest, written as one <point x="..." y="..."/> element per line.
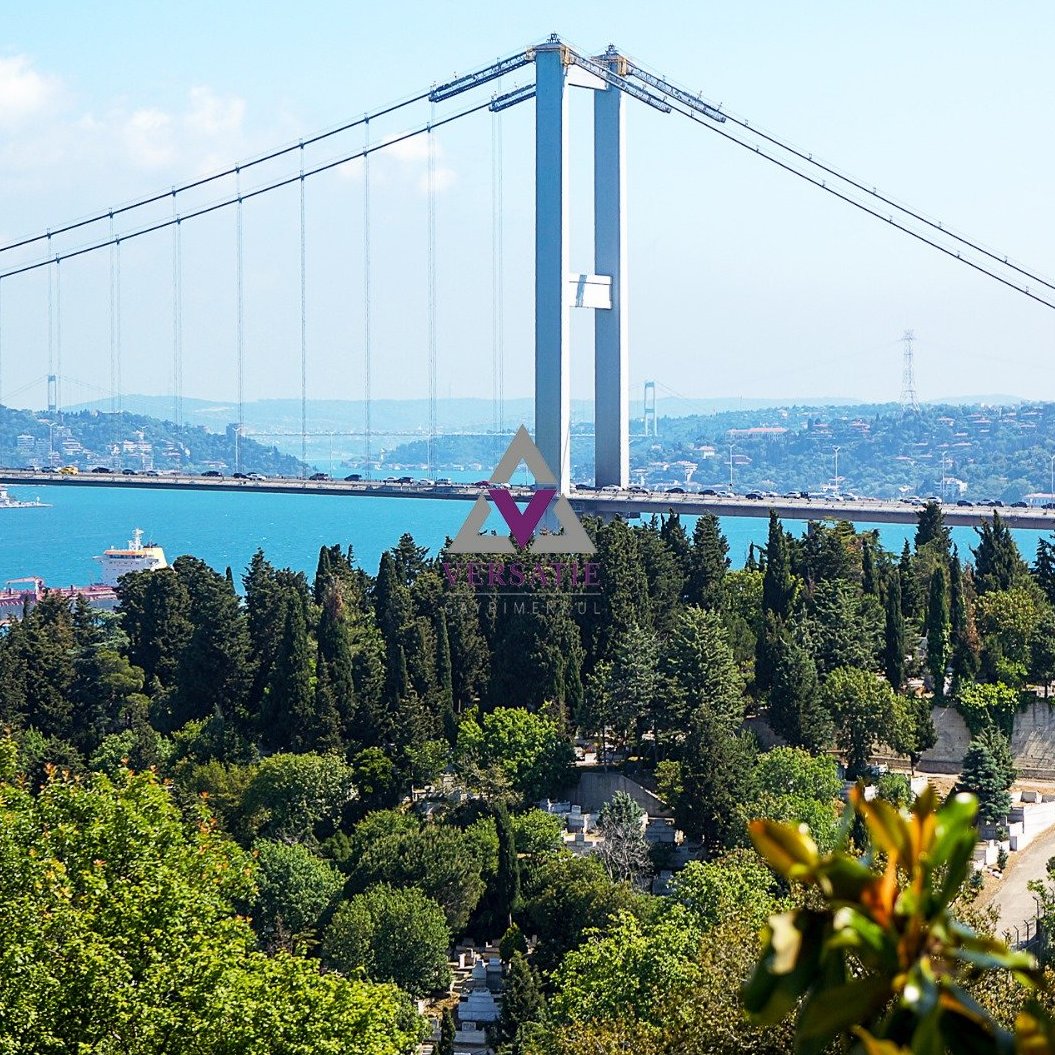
<point x="208" y="799"/>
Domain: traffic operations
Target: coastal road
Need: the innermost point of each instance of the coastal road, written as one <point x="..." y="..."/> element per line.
<point x="1012" y="898"/>
<point x="627" y="503"/>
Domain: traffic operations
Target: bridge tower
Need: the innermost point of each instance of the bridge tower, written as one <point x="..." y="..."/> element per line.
<point x="648" y="415"/>
<point x="557" y="289"/>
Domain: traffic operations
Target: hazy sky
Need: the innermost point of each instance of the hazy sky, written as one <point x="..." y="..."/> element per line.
<point x="744" y="281"/>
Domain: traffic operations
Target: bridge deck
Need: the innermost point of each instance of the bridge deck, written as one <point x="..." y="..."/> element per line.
<point x="607" y="504"/>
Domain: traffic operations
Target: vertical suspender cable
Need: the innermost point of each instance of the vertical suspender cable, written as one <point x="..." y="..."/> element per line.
<point x="51" y="333"/>
<point x="240" y="299"/>
<point x="431" y="221"/>
<point x="303" y="326"/>
<point x="500" y="316"/>
<point x="494" y="281"/>
<point x="177" y="319"/>
<point x="1" y="345"/>
<point x="58" y="337"/>
<point x="117" y="325"/>
<point x="114" y="424"/>
<point x="366" y="287"/>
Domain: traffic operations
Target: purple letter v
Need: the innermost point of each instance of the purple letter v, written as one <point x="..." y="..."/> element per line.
<point x="522" y="525"/>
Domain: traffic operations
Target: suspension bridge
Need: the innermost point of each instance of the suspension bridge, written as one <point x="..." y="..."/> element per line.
<point x="616" y="81"/>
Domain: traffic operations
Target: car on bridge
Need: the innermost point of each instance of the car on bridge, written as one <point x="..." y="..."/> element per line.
<point x="675" y="491"/>
<point x="963" y="502"/>
<point x="256" y="476"/>
<point x="754" y="496"/>
<point x="69" y="470"/>
<point x="317" y="477"/>
<point x="213" y="473"/>
<point x="101" y="469"/>
<point x="354" y="478"/>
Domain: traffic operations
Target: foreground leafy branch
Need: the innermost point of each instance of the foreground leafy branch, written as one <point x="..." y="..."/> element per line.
<point x="875" y="956"/>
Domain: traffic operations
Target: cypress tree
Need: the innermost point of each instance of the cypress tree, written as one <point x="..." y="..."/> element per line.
<point x="910" y="601"/>
<point x="869" y="579"/>
<point x="444" y="677"/>
<point x="778" y="586"/>
<point x="447" y="1032"/>
<point x="997" y="562"/>
<point x="894" y="648"/>
<point x="931" y="527"/>
<point x="215" y="666"/>
<point x="708" y="563"/>
<point x="672" y="532"/>
<point x="522" y="1001"/>
<point x="938" y="631"/>
<point x="795" y="711"/>
<point x="1044" y="568"/>
<point x="964" y="643"/>
<point x="334" y="668"/>
<point x="504" y="897"/>
<point x="287" y="694"/>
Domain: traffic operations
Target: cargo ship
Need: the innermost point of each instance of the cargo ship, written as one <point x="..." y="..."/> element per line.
<point x="19" y="595"/>
<point x="136" y="557"/>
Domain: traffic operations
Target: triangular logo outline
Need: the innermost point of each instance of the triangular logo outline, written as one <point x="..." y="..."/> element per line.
<point x="573" y="539"/>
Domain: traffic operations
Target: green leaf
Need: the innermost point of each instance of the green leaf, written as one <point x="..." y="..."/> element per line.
<point x="788" y="848"/>
<point x="829" y="1011"/>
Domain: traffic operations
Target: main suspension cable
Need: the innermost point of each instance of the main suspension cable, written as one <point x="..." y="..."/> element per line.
<point x="867" y="208"/>
<point x="864" y="188"/>
<point x="264" y="189"/>
<point x="153" y="199"/>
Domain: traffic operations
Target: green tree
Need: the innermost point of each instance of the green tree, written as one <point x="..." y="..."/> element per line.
<point x="294" y="889"/>
<point x="522" y="1001"/>
<point x="1008" y="622"/>
<point x="795" y="711"/>
<point x="1044" y="568"/>
<point x="447" y="1032"/>
<point x="291" y="797"/>
<point x="938" y="631"/>
<point x="215" y="666"/>
<point x="736" y="885"/>
<point x="624" y="851"/>
<point x="700" y="669"/>
<point x="155" y="614"/>
<point x="846" y="627"/>
<point x="862" y="707"/>
<point x="715" y="768"/>
<point x="997" y="563"/>
<point x="335" y="700"/>
<point x="931" y="527"/>
<point x="119" y="922"/>
<point x="894" y="635"/>
<point x="982" y="774"/>
<point x="395" y="936"/>
<point x="1042" y="652"/>
<point x="708" y="563"/>
<point x="530" y="748"/>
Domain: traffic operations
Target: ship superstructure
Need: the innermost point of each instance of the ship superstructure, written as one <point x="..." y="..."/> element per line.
<point x="136" y="557"/>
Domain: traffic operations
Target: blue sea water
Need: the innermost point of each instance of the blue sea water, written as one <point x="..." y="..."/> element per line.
<point x="225" y="529"/>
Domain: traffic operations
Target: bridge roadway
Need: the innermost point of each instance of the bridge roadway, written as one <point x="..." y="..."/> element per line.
<point x="624" y="503"/>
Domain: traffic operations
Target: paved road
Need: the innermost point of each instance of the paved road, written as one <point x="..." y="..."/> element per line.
<point x="1012" y="898"/>
<point x="625" y="503"/>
